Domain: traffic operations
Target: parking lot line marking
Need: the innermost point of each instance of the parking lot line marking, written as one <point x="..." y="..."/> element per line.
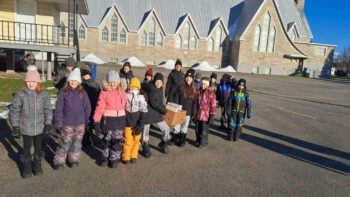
<point x="251" y="162"/>
<point x="286" y="110"/>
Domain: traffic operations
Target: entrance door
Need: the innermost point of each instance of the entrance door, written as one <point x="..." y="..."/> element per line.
<point x="25" y="27"/>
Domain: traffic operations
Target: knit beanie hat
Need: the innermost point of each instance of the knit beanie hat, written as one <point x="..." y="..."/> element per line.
<point x="198" y="75"/>
<point x="213" y="75"/>
<point x="127" y="64"/>
<point x="190" y="73"/>
<point x="135" y="82"/>
<point x="75" y="75"/>
<point x="242" y="82"/>
<point x="113" y="76"/>
<point x="205" y="80"/>
<point x="32" y="74"/>
<point x="178" y="62"/>
<point x="70" y="62"/>
<point x="86" y="71"/>
<point x="158" y="76"/>
<point x="149" y="72"/>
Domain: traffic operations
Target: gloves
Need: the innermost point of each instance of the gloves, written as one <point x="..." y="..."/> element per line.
<point x="59" y="130"/>
<point x="47" y="129"/>
<point x="211" y="118"/>
<point x="16" y="132"/>
<point x="87" y="128"/>
<point x="138" y="128"/>
<point x="97" y="128"/>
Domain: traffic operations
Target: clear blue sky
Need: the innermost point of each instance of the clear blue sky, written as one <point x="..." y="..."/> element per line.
<point x="329" y="21"/>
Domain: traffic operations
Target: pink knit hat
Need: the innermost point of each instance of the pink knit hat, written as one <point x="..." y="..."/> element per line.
<point x="32" y="74"/>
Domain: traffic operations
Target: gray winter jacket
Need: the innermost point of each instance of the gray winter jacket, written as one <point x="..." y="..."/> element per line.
<point x="31" y="111"/>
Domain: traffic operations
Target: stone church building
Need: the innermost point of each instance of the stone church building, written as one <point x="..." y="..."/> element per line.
<point x="254" y="36"/>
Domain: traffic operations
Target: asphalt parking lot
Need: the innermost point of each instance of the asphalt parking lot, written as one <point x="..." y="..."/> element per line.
<point x="296" y="144"/>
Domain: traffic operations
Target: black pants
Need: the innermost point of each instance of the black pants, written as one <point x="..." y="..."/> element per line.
<point x="27" y="145"/>
<point x="224" y="117"/>
<point x="236" y="124"/>
<point x="202" y="131"/>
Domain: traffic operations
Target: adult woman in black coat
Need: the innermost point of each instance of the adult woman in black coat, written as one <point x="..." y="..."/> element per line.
<point x="173" y="86"/>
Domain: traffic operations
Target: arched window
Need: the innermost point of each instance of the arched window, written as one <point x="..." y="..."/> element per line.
<point x="152" y="32"/>
<point x="272" y="38"/>
<point x="265" y="33"/>
<point x="218" y="39"/>
<point x="63" y="30"/>
<point x="160" y="40"/>
<point x="257" y="38"/>
<point x="187" y="36"/>
<point x="193" y="43"/>
<point x="292" y="34"/>
<point x="211" y="44"/>
<point x="81" y="32"/>
<point x="105" y="34"/>
<point x="178" y="42"/>
<point x="114" y="28"/>
<point x="143" y="38"/>
<point x="123" y="36"/>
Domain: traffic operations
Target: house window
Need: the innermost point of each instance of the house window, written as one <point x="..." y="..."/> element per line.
<point x="144" y="38"/>
<point x="178" y="42"/>
<point x="320" y="51"/>
<point x="152" y="32"/>
<point x="218" y="39"/>
<point x="123" y="36"/>
<point x="292" y="34"/>
<point x="63" y="30"/>
<point x="193" y="43"/>
<point x="187" y="36"/>
<point x="71" y="23"/>
<point x="257" y="38"/>
<point x="271" y="47"/>
<point x="265" y="33"/>
<point x="81" y="32"/>
<point x="105" y="34"/>
<point x="113" y="59"/>
<point x="160" y="40"/>
<point x="114" y="28"/>
<point x="211" y="44"/>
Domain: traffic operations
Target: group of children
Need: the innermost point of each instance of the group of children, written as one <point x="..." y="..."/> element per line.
<point x="122" y="111"/>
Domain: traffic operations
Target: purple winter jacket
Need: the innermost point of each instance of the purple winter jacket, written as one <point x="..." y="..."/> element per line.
<point x="72" y="109"/>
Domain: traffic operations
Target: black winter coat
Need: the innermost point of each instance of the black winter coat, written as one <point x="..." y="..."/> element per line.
<point x="126" y="76"/>
<point x="93" y="91"/>
<point x="173" y="86"/>
<point x="240" y="103"/>
<point x="190" y="105"/>
<point x="156" y="106"/>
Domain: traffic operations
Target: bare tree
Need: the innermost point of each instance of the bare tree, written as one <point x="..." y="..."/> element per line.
<point x="344" y="59"/>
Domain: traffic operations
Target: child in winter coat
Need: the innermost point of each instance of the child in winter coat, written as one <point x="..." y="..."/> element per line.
<point x="197" y="80"/>
<point x="136" y="109"/>
<point x="156" y="109"/>
<point x="240" y="107"/>
<point x="71" y="115"/>
<point x="109" y="118"/>
<point x="205" y="113"/>
<point x="213" y="85"/>
<point x="93" y="90"/>
<point x="188" y="100"/>
<point x="126" y="72"/>
<point x="31" y="116"/>
<point x="222" y="94"/>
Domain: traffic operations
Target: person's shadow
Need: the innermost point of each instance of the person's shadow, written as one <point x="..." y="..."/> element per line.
<point x="12" y="147"/>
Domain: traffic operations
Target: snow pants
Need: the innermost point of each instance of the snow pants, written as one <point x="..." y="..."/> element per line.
<point x="112" y="145"/>
<point x="202" y="131"/>
<point x="162" y="126"/>
<point x="131" y="144"/>
<point x="236" y="125"/>
<point x="182" y="127"/>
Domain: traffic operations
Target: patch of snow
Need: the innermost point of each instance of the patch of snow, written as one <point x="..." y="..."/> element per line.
<point x="134" y="62"/>
<point x="4" y="114"/>
<point x="227" y="69"/>
<point x="50" y="88"/>
<point x="92" y="58"/>
<point x="4" y="104"/>
<point x="170" y="64"/>
<point x="204" y="66"/>
<point x="53" y="102"/>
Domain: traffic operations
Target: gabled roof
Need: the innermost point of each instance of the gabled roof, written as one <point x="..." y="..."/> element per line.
<point x="182" y="21"/>
<point x="215" y="23"/>
<point x="147" y="15"/>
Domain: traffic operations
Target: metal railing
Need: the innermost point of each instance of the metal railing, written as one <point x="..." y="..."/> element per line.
<point x="38" y="34"/>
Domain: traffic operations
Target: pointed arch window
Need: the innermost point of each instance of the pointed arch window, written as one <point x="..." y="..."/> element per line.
<point x="123" y="36"/>
<point x="81" y="32"/>
<point x="114" y="28"/>
<point x="63" y="30"/>
<point x="292" y="34"/>
<point x="187" y="36"/>
<point x="265" y="33"/>
<point x="193" y="43"/>
<point x="211" y="44"/>
<point x="178" y="42"/>
<point x="143" y="38"/>
<point x="218" y="39"/>
<point x="152" y="32"/>
<point x="105" y="34"/>
<point x="257" y="38"/>
<point x="160" y="40"/>
<point x="272" y="38"/>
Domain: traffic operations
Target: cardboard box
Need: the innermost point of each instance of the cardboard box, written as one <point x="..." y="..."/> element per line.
<point x="174" y="118"/>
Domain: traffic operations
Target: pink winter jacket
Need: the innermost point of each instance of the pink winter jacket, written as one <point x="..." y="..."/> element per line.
<point x="111" y="103"/>
<point x="206" y="105"/>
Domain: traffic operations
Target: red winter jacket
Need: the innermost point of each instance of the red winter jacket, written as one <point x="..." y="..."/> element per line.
<point x="206" y="105"/>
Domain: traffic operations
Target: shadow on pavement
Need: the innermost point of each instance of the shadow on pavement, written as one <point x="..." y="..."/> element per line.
<point x="314" y="159"/>
<point x="10" y="143"/>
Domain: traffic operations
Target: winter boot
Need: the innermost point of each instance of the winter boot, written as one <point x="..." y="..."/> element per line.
<point x="73" y="164"/>
<point x="164" y="147"/>
<point x="230" y="135"/>
<point x="103" y="162"/>
<point x="174" y="139"/>
<point x="37" y="170"/>
<point x="182" y="140"/>
<point x="133" y="160"/>
<point x="114" y="163"/>
<point x="58" y="166"/>
<point x="27" y="166"/>
<point x="146" y="151"/>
